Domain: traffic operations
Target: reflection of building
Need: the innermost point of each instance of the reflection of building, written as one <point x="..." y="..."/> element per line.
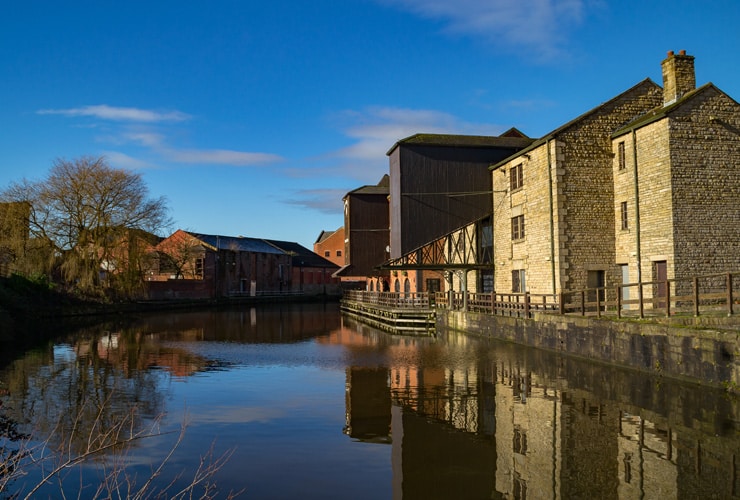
<point x="498" y="430"/>
<point x="368" y="404"/>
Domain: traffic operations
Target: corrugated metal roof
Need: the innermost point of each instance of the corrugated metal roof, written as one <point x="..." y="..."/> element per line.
<point x="302" y="256"/>
<point x="236" y="243"/>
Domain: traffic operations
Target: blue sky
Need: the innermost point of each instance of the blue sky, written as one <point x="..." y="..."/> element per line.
<point x="255" y="118"/>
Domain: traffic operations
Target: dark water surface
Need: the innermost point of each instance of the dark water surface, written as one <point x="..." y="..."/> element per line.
<point x="311" y="404"/>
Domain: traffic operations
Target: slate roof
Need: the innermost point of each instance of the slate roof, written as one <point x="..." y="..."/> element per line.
<point x="302" y="256"/>
<point x="512" y="138"/>
<point x="236" y="243"/>
<point x="323" y="235"/>
<point x="382" y="187"/>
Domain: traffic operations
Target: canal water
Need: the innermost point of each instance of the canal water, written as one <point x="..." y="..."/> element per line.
<point x="299" y="401"/>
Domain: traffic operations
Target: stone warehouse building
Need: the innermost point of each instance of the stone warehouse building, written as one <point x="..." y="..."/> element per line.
<point x="644" y="187"/>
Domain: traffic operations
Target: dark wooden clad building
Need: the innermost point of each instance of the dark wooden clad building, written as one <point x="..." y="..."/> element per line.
<point x="439" y="183"/>
<point x="366" y="231"/>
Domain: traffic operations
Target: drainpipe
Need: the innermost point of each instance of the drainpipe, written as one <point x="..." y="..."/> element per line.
<point x="552" y="215"/>
<point x="637" y="208"/>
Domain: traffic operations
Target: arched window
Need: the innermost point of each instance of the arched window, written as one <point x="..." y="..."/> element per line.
<point x="406" y="286"/>
<point x="397" y="286"/>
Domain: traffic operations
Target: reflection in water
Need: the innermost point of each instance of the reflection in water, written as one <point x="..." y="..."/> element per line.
<point x="321" y="406"/>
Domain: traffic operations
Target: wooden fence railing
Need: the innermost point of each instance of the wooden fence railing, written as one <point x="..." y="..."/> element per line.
<point x="393" y="300"/>
<point x="715" y="293"/>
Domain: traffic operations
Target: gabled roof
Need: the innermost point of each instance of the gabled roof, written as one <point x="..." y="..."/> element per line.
<point x="382" y="187"/>
<point x="663" y="111"/>
<point x="324" y="235"/>
<point x="647" y="82"/>
<point x="512" y="138"/>
<point x="302" y="256"/>
<point x="235" y="243"/>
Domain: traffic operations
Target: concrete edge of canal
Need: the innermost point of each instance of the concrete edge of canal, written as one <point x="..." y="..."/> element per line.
<point x="705" y="356"/>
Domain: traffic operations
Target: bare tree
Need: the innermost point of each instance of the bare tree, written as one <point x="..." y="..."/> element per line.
<point x="81" y="219"/>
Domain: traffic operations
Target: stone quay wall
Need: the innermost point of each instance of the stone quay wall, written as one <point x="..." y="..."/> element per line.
<point x="699" y="355"/>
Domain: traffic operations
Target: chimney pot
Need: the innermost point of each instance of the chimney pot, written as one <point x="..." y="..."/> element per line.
<point x="682" y="52"/>
<point x="670" y="53"/>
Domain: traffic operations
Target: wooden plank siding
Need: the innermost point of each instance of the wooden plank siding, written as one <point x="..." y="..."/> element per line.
<point x="443" y="185"/>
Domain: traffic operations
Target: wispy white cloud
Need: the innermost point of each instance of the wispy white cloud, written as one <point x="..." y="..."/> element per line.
<point x="327" y="201"/>
<point x="540" y="27"/>
<point x="219" y="157"/>
<point x="146" y="129"/>
<point x="122" y="160"/>
<point x="372" y="132"/>
<point x="377" y="129"/>
<point x="114" y="113"/>
<point x="156" y="142"/>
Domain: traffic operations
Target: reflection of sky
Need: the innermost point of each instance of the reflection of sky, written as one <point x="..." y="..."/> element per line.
<point x="64" y="352"/>
<point x="308" y="353"/>
<point x="281" y="408"/>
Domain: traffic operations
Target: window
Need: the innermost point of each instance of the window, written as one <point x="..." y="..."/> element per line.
<point x="627" y="461"/>
<point x="520" y="440"/>
<point x="515" y="177"/>
<point x="433" y="285"/>
<point x="520" y="487"/>
<point x="486" y="281"/>
<point x="623" y="212"/>
<point x="485" y="241"/>
<point x="327" y="253"/>
<point x="518" y="281"/>
<point x="199" y="268"/>
<point x="517" y="227"/>
<point x="339" y="253"/>
<point x="620" y="156"/>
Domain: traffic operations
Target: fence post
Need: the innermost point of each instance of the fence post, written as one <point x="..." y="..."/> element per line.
<point x="598" y="301"/>
<point x="493" y="302"/>
<point x="526" y="304"/>
<point x="696" y="296"/>
<point x="561" y="303"/>
<point x="729" y="294"/>
<point x="619" y="302"/>
<point x="667" y="299"/>
<point x="639" y="296"/>
<point x="583" y="302"/>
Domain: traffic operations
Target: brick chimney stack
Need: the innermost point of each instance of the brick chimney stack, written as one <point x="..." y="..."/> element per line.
<point x="678" y="76"/>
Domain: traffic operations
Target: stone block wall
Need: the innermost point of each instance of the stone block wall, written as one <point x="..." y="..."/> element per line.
<point x="587" y="185"/>
<point x="708" y="356"/>
<point x="654" y="193"/>
<point x="567" y="200"/>
<point x="533" y="253"/>
<point x="705" y="175"/>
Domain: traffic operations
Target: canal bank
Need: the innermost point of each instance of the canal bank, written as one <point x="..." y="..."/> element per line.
<point x="708" y="355"/>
